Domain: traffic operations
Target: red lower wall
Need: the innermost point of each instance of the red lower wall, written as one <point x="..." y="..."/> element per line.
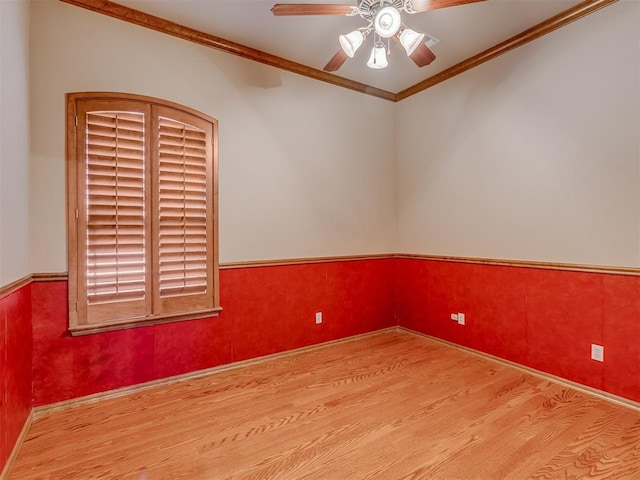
<point x="15" y="368"/>
<point x="545" y="319"/>
<point x="541" y="318"/>
<point x="266" y="310"/>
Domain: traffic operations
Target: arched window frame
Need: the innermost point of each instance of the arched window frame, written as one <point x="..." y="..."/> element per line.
<point x="142" y="200"/>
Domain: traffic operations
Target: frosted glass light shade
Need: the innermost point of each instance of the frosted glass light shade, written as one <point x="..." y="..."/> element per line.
<point x="387" y="22"/>
<point x="410" y="40"/>
<point x="378" y="58"/>
<point x="351" y="42"/>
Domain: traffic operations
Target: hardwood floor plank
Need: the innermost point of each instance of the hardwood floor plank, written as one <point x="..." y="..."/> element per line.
<point x="391" y="406"/>
<point x="614" y="452"/>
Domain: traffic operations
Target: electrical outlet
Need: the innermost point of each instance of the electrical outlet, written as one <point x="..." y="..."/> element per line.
<point x="454" y="317"/>
<point x="461" y="319"/>
<point x="597" y="352"/>
<point x="318" y="318"/>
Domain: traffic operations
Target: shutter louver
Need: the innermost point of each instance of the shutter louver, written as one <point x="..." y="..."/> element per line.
<point x="182" y="208"/>
<point x="115" y="206"/>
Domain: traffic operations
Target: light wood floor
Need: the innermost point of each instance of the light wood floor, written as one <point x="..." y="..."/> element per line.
<point x="392" y="406"/>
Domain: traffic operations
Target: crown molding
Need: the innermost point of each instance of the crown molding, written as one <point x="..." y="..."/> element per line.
<point x="158" y="24"/>
<point x="558" y="21"/>
<point x="136" y="17"/>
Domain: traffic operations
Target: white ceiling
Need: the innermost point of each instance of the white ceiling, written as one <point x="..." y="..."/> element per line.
<point x="463" y="31"/>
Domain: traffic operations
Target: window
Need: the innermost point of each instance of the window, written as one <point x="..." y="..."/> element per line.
<point x="142" y="212"/>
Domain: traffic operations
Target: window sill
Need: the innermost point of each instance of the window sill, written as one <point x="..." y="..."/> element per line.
<point x="79" y="330"/>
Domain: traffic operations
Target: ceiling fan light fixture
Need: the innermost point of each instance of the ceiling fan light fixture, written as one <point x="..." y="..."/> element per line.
<point x="378" y="58"/>
<point x="410" y="40"/>
<point x="387" y="22"/>
<point x="351" y="42"/>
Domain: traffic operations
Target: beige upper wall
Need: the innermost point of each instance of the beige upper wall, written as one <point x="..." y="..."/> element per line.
<point x="532" y="156"/>
<point x="14" y="140"/>
<point x="302" y="174"/>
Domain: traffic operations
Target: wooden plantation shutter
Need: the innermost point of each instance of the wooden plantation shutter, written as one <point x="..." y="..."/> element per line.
<point x="183" y="230"/>
<point x="115" y="250"/>
<point x="113" y="279"/>
<point x="142" y="212"/>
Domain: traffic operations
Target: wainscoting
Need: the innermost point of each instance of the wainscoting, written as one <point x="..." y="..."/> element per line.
<point x="537" y="316"/>
<point x="545" y="319"/>
<point x="266" y="309"/>
<point x="15" y="367"/>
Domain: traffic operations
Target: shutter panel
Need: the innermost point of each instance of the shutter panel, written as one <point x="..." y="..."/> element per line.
<point x="114" y="215"/>
<point x="184" y="230"/>
<point x="115" y="206"/>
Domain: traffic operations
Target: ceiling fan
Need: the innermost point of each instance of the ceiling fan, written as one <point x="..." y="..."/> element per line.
<point x="383" y="20"/>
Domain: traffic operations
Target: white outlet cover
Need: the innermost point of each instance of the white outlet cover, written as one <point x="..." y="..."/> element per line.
<point x="454" y="317"/>
<point x="461" y="319"/>
<point x="597" y="352"/>
<point x="318" y="318"/>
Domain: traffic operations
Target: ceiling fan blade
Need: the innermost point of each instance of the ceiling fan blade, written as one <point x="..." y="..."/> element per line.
<point x="426" y="5"/>
<point x="336" y="61"/>
<point x="422" y="56"/>
<point x="313" y="9"/>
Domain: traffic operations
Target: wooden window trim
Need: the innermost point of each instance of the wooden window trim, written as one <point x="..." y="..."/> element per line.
<point x="79" y="325"/>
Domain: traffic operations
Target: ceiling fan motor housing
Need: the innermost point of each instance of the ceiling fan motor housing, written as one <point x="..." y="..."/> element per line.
<point x="369" y="8"/>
